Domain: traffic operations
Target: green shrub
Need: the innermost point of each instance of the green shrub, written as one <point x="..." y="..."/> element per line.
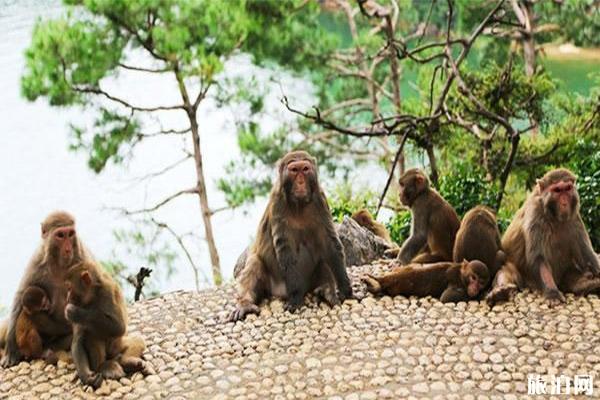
<point x="465" y="187"/>
<point x="585" y="156"/>
<point x="399" y="226"/>
<point x="344" y="202"/>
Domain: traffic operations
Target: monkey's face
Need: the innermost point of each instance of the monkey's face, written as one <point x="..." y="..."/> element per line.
<point x="35" y="300"/>
<point x="410" y="187"/>
<point x="300" y="181"/>
<point x="561" y="199"/>
<point x="63" y="244"/>
<point x="79" y="286"/>
<point x="475" y="277"/>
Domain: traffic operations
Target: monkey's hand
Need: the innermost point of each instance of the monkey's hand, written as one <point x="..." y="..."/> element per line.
<point x="75" y="314"/>
<point x="241" y="311"/>
<point x="501" y="294"/>
<point x="554" y="297"/>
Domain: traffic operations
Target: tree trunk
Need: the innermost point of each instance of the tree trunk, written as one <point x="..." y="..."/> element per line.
<point x="202" y="196"/>
<point x="432" y="165"/>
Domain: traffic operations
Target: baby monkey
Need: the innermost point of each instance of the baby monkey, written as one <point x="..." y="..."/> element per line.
<point x="448" y="281"/>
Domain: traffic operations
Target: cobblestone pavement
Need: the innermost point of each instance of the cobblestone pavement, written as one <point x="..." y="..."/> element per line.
<point x="374" y="348"/>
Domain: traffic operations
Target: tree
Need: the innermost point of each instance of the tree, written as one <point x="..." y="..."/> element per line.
<point x="443" y="81"/>
<point x="70" y="59"/>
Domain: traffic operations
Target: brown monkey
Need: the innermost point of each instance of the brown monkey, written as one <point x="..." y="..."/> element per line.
<point x="97" y="310"/>
<point x="29" y="340"/>
<point x="547" y="246"/>
<point x="297" y="249"/>
<point x="59" y="250"/>
<point x="434" y="221"/>
<point x="366" y="220"/>
<point x="449" y="281"/>
<point x="478" y="238"/>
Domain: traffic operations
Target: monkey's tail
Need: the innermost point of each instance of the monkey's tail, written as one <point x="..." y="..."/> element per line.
<point x="373" y="285"/>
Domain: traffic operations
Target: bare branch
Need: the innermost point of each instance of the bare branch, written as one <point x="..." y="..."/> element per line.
<point x="195" y="270"/>
<point x="161" y="203"/>
<point x="391" y="175"/>
<point x="141" y="69"/>
<point x="98" y="91"/>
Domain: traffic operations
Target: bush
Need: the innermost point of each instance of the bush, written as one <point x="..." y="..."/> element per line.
<point x="586" y="165"/>
<point x="465" y="187"/>
<point x="343" y="202"/>
<point x="399" y="226"/>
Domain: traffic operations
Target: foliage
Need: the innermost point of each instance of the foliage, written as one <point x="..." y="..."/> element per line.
<point x="344" y="201"/>
<point x="465" y="187"/>
<point x="399" y="226"/>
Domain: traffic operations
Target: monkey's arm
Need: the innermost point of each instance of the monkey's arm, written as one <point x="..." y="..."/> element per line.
<point x="80" y="358"/>
<point x="539" y="265"/>
<point x="589" y="260"/>
<point x="103" y="319"/>
<point x="454" y="294"/>
<point x="417" y="239"/>
<point x="337" y="263"/>
<point x="287" y="264"/>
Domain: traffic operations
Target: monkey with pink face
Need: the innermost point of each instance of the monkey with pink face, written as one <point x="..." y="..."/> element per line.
<point x="547" y="246"/>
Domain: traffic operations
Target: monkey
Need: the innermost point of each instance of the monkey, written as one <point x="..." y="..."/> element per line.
<point x="478" y="238"/>
<point x="366" y="220"/>
<point x="297" y="249"/>
<point x="60" y="249"/>
<point x="547" y="246"/>
<point x="29" y="340"/>
<point x="434" y="222"/>
<point x="96" y="308"/>
<point x="449" y="281"/>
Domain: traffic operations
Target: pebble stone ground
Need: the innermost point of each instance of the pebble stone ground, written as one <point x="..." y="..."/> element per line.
<point x="394" y="348"/>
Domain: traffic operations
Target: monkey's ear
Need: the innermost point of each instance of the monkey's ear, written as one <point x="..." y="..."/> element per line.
<point x="86" y="278"/>
<point x="44" y="232"/>
<point x="540" y="184"/>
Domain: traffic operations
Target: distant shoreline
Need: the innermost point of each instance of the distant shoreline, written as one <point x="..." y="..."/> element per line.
<point x="569" y="51"/>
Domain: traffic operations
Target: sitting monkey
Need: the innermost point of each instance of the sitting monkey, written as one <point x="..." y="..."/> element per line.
<point x="97" y="310"/>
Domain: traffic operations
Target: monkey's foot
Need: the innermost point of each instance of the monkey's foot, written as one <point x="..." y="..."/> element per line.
<point x="112" y="370"/>
<point x="391" y="253"/>
<point x="94" y="380"/>
<point x="501" y="294"/>
<point x="10" y="359"/>
<point x="554" y="298"/>
<point x="50" y="357"/>
<point x="292" y="306"/>
<point x="372" y="283"/>
<point x="242" y="311"/>
<point x="328" y="295"/>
